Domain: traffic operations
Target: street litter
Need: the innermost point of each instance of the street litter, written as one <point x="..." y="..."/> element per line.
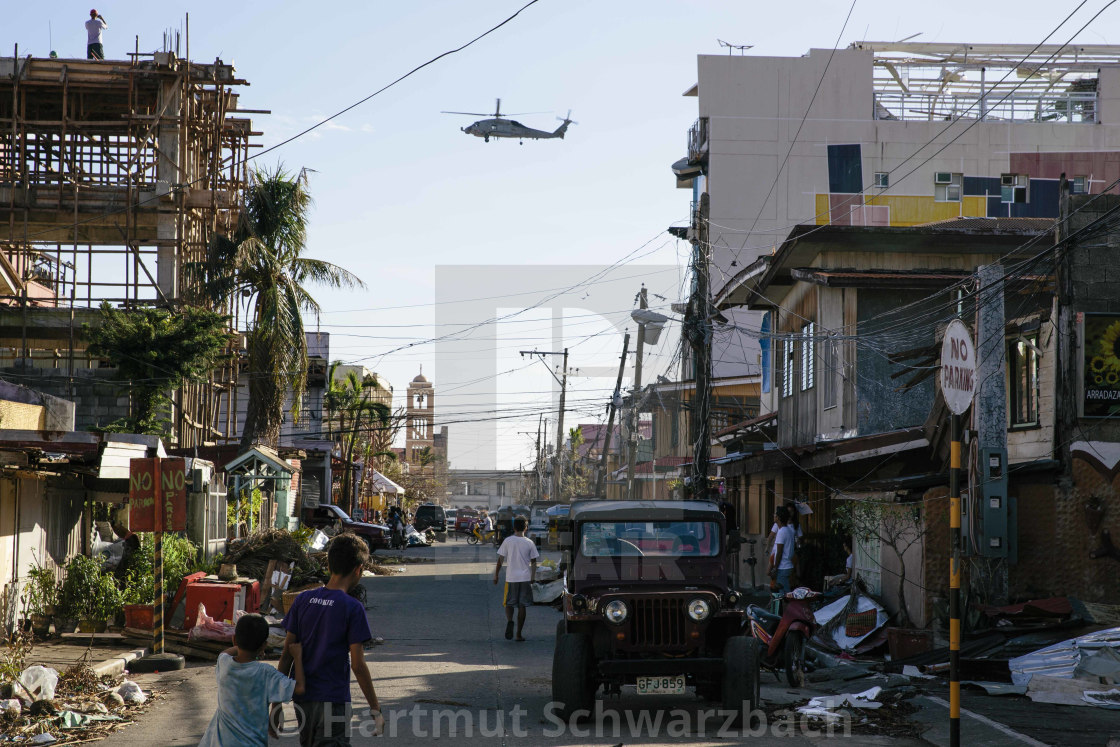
<point x="39" y="682"/>
<point x="75" y="720"/>
<point x="848" y="622"/>
<point x="827" y="707"/>
<point x="547" y="593"/>
<point x="1103" y="698"/>
<point x="131" y="692"/>
<point x="208" y="629"/>
<point x="1060" y="690"/>
<point x="912" y="671"/>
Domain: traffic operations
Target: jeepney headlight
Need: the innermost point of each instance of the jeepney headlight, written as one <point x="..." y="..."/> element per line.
<point x="733" y="599"/>
<point x="699" y="610"/>
<point x="616" y="611"/>
<point x="579" y="602"/>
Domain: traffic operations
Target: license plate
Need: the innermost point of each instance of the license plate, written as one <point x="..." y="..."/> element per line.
<point x="661" y="685"/>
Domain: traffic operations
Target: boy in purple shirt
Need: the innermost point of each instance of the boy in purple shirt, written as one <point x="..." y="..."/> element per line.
<point x="331" y="628"/>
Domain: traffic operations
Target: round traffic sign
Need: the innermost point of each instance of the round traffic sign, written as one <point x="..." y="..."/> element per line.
<point x="958" y="367"/>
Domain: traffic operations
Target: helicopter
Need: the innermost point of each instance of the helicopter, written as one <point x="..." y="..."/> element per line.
<point x="501" y="126"/>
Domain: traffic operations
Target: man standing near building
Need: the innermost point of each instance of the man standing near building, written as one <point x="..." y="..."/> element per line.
<point x="520" y="554"/>
<point x="781" y="557"/>
<point x="94" y="26"/>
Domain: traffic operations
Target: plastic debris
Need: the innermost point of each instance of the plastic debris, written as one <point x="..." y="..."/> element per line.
<point x="39" y="681"/>
<point x="1103" y="698"/>
<point x="547" y="592"/>
<point x="318" y="540"/>
<point x="43" y="738"/>
<point x="10" y="708"/>
<point x="131" y="692"/>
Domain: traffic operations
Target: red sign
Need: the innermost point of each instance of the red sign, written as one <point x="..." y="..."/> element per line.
<point x="170" y="492"/>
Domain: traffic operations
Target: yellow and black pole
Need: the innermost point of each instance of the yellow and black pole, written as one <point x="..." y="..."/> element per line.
<point x="955" y="582"/>
<point x="161" y="514"/>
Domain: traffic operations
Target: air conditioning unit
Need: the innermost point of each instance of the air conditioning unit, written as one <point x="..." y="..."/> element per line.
<point x="1007" y="180"/>
<point x="943" y="177"/>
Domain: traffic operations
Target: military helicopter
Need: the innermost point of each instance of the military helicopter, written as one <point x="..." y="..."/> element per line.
<point x="501" y="126"/>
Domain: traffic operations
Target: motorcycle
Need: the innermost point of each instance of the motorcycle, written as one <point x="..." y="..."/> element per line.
<point x="781" y="638"/>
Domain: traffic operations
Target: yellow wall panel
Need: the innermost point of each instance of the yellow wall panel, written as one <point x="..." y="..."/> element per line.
<point x="822" y="209"/>
<point x="913" y="210"/>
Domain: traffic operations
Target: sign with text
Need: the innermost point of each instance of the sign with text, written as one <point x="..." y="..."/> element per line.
<point x="958" y="367"/>
<point x="1101" y="389"/>
<point x="170" y="492"/>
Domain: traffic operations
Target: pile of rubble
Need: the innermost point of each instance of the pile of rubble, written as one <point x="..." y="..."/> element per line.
<point x="43" y="707"/>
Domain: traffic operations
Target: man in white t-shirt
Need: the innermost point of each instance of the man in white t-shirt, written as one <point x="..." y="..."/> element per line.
<point x="94" y="27"/>
<point x="781" y="557"/>
<point x="520" y="554"/>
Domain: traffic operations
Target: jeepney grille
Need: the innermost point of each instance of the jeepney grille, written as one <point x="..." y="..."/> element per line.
<point x="658" y="622"/>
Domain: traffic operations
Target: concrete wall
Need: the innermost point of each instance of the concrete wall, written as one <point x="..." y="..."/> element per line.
<point x="755" y="105"/>
<point x="97" y="397"/>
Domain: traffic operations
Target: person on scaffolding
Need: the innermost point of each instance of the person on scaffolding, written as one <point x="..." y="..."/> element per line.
<point x="94" y="27"/>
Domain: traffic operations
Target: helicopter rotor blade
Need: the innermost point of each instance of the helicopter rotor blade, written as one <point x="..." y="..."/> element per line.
<point x="469" y="114"/>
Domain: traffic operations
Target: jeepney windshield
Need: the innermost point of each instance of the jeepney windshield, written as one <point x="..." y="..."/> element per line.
<point x="606" y="539"/>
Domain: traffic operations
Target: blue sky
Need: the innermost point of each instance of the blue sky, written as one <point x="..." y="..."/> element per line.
<point x="399" y="189"/>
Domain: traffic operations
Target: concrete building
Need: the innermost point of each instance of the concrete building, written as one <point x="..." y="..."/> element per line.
<point x="894" y="134"/>
<point x="485" y="487"/>
<point x="102" y="200"/>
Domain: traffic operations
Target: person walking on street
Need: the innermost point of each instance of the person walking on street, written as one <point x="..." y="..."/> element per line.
<point x="781" y="557"/>
<point x="520" y="554"/>
<point x="94" y="26"/>
<point x="246" y="687"/>
<point x="331" y="628"/>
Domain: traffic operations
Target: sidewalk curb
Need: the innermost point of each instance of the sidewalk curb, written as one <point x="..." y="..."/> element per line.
<point x="116" y="664"/>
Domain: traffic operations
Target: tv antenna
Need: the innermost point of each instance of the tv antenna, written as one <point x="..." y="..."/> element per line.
<point x="741" y="47"/>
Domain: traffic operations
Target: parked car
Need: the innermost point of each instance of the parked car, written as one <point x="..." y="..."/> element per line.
<point x="328" y="516"/>
<point x="538" y="521"/>
<point x="430" y="516"/>
<point x="647" y="602"/>
<point x="450" y="514"/>
<point x="464" y="518"/>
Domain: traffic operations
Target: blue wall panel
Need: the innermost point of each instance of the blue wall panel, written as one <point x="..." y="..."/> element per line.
<point x="845" y="169"/>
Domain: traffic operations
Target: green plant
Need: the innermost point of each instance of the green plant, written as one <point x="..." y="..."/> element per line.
<point x="246" y="510"/>
<point x="80" y="595"/>
<point x="40" y="595"/>
<point x="264" y="259"/>
<point x="156" y="350"/>
<point x="106" y="599"/>
<point x="139" y="588"/>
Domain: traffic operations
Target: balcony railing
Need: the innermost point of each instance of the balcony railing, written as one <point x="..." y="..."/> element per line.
<point x="698" y="140"/>
<point x="1070" y="106"/>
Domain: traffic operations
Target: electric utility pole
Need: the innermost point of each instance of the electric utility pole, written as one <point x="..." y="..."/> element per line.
<point x="558" y="470"/>
<point x="698" y="329"/>
<point x="563" y="382"/>
<point x="635" y="416"/>
<point x="610" y="420"/>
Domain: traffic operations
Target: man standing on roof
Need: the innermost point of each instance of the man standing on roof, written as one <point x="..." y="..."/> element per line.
<point x="94" y="26"/>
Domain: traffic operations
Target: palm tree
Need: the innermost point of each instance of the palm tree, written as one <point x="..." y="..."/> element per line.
<point x="264" y="262"/>
<point x="358" y="418"/>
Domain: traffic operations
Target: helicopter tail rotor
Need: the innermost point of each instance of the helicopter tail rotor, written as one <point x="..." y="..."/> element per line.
<point x="567" y="119"/>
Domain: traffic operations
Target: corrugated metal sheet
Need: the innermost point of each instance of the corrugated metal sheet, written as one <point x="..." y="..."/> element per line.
<point x="1061" y="659"/>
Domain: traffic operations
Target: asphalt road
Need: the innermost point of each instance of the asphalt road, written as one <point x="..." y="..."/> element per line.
<point x="446" y="672"/>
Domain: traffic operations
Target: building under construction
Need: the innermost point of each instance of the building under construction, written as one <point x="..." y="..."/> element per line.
<point x="114" y="175"/>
